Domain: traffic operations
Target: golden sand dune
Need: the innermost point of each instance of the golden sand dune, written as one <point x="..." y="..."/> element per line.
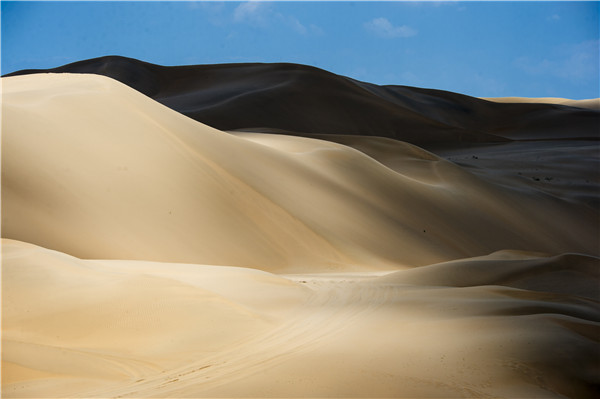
<point x="144" y="329"/>
<point x="145" y="254"/>
<point x="69" y="323"/>
<point x="92" y="168"/>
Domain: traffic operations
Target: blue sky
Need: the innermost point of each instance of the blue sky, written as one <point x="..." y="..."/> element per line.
<point x="533" y="49"/>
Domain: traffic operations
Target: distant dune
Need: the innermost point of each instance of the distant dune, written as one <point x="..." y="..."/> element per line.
<point x="299" y="100"/>
<point x="340" y="239"/>
<point x="591" y="103"/>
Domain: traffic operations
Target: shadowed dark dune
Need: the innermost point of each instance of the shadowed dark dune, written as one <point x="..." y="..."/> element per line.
<point x="302" y="100"/>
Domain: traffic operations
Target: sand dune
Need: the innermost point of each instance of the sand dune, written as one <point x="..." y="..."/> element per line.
<point x="102" y="322"/>
<point x="146" y="254"/>
<point x="300" y="100"/>
<point x="113" y="174"/>
<point x="566" y="169"/>
<point x="143" y="329"/>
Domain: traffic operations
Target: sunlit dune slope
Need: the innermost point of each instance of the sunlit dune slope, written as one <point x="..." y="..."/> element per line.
<point x="506" y="325"/>
<point x="95" y="169"/>
<point x="69" y="323"/>
<point x="300" y="100"/>
<point x="566" y="169"/>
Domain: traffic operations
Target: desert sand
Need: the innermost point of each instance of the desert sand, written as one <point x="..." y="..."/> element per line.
<point x="147" y="254"/>
<point x="590" y="103"/>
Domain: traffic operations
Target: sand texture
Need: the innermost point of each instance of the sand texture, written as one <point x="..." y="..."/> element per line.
<point x="146" y="254"/>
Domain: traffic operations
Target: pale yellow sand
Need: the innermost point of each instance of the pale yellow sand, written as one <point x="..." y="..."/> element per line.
<point x="591" y="103"/>
<point x="66" y="321"/>
<point x="197" y="221"/>
<point x="143" y="329"/>
<point x="93" y="168"/>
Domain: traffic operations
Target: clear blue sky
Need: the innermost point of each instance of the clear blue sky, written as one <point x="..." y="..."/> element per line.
<point x="533" y="49"/>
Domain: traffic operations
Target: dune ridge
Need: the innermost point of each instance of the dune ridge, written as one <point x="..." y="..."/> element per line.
<point x="146" y="254"/>
<point x="590" y="103"/>
<point x="148" y="183"/>
<point x="280" y="96"/>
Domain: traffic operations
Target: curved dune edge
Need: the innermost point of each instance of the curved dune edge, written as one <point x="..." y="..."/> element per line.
<point x="590" y="103"/>
<point x="93" y="168"/>
<point x="147" y="329"/>
<point x="300" y="99"/>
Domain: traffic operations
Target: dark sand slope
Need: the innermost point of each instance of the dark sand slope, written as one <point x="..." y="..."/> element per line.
<point x="300" y="100"/>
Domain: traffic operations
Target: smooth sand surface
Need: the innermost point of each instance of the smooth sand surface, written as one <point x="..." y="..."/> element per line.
<point x="505" y="325"/>
<point x="113" y="174"/>
<point x="145" y="254"/>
